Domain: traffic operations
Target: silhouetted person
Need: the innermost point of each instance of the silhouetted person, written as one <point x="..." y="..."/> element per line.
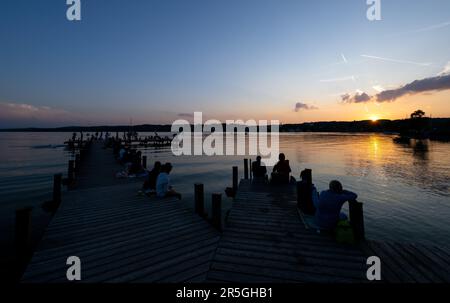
<point x="150" y="183"/>
<point x="281" y="170"/>
<point x="136" y="165"/>
<point x="163" y="187"/>
<point x="305" y="193"/>
<point x="259" y="171"/>
<point x="329" y="203"/>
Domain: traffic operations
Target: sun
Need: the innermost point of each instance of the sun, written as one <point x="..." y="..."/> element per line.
<point x="374" y="118"/>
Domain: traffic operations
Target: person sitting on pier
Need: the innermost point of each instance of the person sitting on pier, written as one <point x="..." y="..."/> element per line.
<point x="259" y="171"/>
<point x="329" y="203"/>
<point x="149" y="185"/>
<point x="122" y="154"/>
<point x="163" y="187"/>
<point x="135" y="165"/>
<point x="281" y="171"/>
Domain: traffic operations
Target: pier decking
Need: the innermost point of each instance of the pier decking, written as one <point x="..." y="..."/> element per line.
<point x="122" y="237"/>
<point x="265" y="241"/>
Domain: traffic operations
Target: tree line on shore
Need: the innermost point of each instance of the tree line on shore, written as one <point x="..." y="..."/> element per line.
<point x="434" y="128"/>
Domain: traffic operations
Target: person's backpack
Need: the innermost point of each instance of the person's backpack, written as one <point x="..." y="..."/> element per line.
<point x="344" y="232"/>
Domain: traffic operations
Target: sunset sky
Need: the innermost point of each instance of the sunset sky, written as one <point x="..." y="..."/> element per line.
<point x="156" y="61"/>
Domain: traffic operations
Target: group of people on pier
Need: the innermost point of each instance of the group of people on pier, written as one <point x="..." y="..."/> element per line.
<point x="326" y="205"/>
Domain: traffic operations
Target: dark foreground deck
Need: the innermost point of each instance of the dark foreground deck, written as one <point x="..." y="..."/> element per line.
<point x="122" y="237"/>
<point x="264" y="240"/>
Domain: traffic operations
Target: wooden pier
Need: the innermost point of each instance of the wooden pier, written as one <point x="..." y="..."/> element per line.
<point x="123" y="237"/>
<point x="264" y="240"/>
<point x="120" y="236"/>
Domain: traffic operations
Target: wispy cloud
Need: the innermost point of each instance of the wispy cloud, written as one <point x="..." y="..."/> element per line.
<point x="303" y="106"/>
<point x="348" y="78"/>
<point x="431" y="27"/>
<point x="395" y="60"/>
<point x="186" y="115"/>
<point x="13" y="113"/>
<point x="422" y="29"/>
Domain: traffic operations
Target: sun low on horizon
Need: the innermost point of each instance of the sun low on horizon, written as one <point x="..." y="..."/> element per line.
<point x="374" y="118"/>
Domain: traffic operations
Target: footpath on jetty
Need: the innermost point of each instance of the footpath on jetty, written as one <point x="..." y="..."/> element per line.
<point x="120" y="236"/>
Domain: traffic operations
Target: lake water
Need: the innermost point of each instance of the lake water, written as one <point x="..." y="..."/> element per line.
<point x="404" y="187"/>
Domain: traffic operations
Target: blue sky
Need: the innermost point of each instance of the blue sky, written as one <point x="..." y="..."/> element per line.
<point x="150" y="61"/>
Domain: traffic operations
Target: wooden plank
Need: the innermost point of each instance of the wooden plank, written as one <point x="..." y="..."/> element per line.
<point x="432" y="262"/>
<point x="105" y="255"/>
<point x="392" y="260"/>
<point x="307" y="265"/>
<point x="387" y="273"/>
<point x="418" y="261"/>
<point x="300" y="255"/>
<point x="147" y="268"/>
<point x="407" y="264"/>
<point x="284" y="275"/>
<point x="91" y="245"/>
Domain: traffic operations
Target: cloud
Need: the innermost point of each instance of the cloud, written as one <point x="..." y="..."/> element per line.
<point x="378" y="88"/>
<point x="358" y="97"/>
<point x="303" y="106"/>
<point x="427" y="85"/>
<point x="353" y="78"/>
<point x="186" y="115"/>
<point x="432" y="27"/>
<point x="395" y="60"/>
<point x="446" y="70"/>
<point x="437" y="83"/>
<point x="20" y="114"/>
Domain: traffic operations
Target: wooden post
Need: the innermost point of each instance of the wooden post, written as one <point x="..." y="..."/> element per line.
<point x="217" y="211"/>
<point x="246" y="169"/>
<point x="57" y="181"/>
<point x="70" y="171"/>
<point x="299" y="194"/>
<point x="199" y="199"/>
<point x="357" y="219"/>
<point x="144" y="161"/>
<point x="23" y="232"/>
<point x="235" y="179"/>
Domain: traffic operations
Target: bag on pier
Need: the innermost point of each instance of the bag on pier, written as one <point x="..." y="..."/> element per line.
<point x="344" y="232"/>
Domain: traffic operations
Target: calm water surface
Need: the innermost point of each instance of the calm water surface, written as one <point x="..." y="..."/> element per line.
<point x="404" y="187"/>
